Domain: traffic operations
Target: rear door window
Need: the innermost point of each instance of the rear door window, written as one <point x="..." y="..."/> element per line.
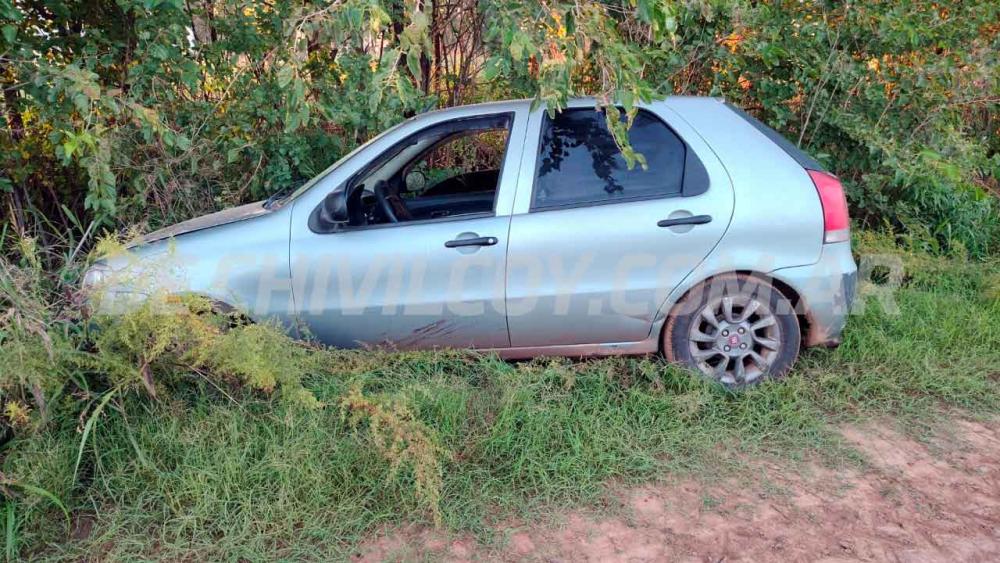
<point x="580" y="164"/>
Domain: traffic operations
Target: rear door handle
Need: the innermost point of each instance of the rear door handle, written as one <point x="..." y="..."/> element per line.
<point x="478" y="241"/>
<point x="692" y="220"/>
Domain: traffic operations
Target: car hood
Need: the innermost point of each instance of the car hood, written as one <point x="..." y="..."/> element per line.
<point x="224" y="217"/>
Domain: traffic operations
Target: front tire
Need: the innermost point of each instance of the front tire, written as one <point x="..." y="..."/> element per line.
<point x="736" y="329"/>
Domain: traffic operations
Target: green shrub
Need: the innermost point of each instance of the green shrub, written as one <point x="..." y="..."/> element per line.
<point x="899" y="99"/>
<point x="169" y="340"/>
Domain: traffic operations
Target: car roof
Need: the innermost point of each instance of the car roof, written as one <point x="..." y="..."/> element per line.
<point x="502" y="105"/>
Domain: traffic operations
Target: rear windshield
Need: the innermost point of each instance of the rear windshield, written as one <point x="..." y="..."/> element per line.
<point x="800" y="156"/>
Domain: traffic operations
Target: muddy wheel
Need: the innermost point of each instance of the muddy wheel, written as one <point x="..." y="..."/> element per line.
<point x="229" y="316"/>
<point x="736" y="329"/>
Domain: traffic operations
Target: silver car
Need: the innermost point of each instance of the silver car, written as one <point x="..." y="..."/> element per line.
<point x="500" y="227"/>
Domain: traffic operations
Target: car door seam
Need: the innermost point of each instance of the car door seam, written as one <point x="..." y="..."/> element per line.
<point x="660" y="312"/>
<point x="526" y="112"/>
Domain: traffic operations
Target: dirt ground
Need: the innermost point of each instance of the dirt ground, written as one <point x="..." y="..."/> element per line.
<point x="910" y="503"/>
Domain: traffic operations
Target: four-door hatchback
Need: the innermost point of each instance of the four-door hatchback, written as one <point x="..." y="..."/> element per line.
<point x="500" y="227"/>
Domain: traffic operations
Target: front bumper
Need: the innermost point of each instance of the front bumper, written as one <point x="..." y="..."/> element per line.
<point x="826" y="292"/>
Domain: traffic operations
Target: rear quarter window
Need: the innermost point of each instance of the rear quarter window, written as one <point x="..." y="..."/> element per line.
<point x="797" y="154"/>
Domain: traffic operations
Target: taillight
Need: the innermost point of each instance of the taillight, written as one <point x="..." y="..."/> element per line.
<point x="836" y="223"/>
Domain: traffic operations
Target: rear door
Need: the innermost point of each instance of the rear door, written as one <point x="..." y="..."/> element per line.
<point x="596" y="247"/>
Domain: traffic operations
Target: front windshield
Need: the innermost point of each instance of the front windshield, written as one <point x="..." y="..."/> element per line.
<point x="309" y="184"/>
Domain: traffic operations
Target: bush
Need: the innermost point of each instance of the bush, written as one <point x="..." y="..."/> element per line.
<point x="56" y="370"/>
<point x="898" y="99"/>
<point x="166" y="341"/>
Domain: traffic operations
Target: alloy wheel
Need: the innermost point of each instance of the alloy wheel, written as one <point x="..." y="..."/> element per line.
<point x="735" y="339"/>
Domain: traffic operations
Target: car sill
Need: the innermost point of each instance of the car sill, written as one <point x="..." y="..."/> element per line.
<point x="648" y="346"/>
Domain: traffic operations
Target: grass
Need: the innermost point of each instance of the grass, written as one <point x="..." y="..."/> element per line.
<point x="197" y="475"/>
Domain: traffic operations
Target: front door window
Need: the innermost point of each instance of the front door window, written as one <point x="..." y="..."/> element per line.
<point x="448" y="170"/>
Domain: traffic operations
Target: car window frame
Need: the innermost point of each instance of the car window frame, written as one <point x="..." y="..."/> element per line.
<point x="533" y="206"/>
<point x="365" y="170"/>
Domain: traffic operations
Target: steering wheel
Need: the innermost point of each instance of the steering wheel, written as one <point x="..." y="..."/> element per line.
<point x="391" y="204"/>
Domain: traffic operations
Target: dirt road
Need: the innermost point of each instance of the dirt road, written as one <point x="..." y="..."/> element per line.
<point x="910" y="503"/>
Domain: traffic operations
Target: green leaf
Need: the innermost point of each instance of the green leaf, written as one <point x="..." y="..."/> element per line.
<point x="81" y="102"/>
<point x="644" y="11"/>
<point x="159" y="52"/>
<point x="182" y="142"/>
<point x="671" y="25"/>
<point x="292" y="122"/>
<point x="420" y="21"/>
<point x="10" y="545"/>
<point x="517" y="46"/>
<point x="627" y="100"/>
<point x="492" y="69"/>
<point x="285" y="75"/>
<point x="69" y="146"/>
<point x="9" y="33"/>
<point x="413" y="63"/>
<point x="38" y="491"/>
<point x="89" y="427"/>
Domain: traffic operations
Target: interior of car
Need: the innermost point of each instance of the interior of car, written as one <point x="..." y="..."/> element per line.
<point x="451" y="169"/>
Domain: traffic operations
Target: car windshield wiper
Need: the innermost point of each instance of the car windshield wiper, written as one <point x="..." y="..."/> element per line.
<point x="278" y="197"/>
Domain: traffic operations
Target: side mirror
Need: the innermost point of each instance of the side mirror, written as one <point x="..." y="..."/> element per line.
<point x="415" y="181"/>
<point x="333" y="210"/>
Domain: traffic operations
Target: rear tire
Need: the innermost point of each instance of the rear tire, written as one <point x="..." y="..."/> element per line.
<point x="735" y="329"/>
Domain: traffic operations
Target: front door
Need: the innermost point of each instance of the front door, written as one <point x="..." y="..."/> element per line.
<point x="423" y="260"/>
<point x="402" y="286"/>
<point x="595" y="247"/>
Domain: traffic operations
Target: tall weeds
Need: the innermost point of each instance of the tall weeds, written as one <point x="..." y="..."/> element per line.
<point x="233" y="441"/>
<point x="59" y="365"/>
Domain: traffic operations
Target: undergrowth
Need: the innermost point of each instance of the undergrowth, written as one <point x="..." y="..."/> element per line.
<point x="183" y="436"/>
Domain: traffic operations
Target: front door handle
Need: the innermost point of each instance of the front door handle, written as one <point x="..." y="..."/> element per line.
<point x="692" y="220"/>
<point x="477" y="241"/>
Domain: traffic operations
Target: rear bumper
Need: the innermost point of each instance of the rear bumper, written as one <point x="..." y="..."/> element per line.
<point x="826" y="292"/>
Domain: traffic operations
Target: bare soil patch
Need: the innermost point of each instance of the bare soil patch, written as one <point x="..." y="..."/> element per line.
<point x="911" y="502"/>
